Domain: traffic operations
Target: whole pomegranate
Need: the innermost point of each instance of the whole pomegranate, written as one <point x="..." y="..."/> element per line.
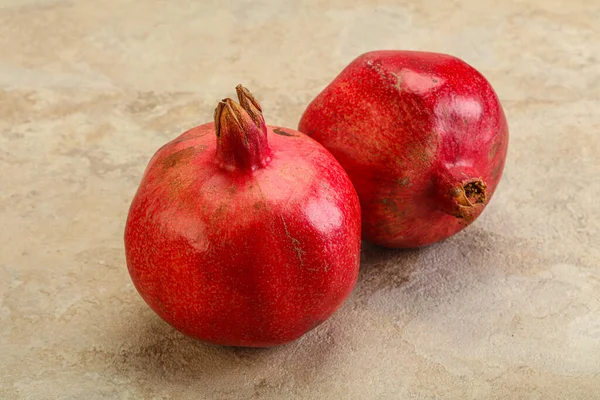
<point x="423" y="138"/>
<point x="243" y="234"/>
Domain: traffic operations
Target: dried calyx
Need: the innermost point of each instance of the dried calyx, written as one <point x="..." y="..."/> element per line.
<point x="470" y="193"/>
<point x="457" y="196"/>
<point x="241" y="133"/>
<point x="468" y="197"/>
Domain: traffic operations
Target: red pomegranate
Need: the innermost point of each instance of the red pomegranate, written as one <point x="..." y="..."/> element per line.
<point x="423" y="138"/>
<point x="243" y="234"/>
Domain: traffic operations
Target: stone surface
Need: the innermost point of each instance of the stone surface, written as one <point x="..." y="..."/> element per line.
<point x="510" y="308"/>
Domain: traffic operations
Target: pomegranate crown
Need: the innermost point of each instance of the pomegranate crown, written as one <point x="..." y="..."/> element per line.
<point x="241" y="131"/>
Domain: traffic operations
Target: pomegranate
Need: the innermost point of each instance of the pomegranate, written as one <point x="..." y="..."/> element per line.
<point x="423" y="138"/>
<point x="243" y="234"/>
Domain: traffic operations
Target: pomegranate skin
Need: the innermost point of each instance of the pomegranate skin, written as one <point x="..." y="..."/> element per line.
<point x="250" y="254"/>
<point x="423" y="138"/>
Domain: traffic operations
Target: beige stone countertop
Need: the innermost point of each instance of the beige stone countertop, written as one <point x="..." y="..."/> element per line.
<point x="507" y="309"/>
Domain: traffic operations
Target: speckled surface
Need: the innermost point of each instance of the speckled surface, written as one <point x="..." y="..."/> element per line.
<point x="510" y="308"/>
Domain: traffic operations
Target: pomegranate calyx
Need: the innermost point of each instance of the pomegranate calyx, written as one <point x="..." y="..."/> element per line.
<point x="252" y="107"/>
<point x="468" y="196"/>
<point x="241" y="133"/>
<point x="457" y="194"/>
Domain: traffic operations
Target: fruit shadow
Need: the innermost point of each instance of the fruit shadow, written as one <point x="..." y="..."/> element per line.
<point x="155" y="355"/>
<point x="382" y="268"/>
<point x="434" y="272"/>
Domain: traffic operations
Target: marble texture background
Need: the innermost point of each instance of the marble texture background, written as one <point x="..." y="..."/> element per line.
<point x="510" y="308"/>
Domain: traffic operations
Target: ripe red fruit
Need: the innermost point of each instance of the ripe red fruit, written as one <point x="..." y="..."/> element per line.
<point x="423" y="138"/>
<point x="243" y="234"/>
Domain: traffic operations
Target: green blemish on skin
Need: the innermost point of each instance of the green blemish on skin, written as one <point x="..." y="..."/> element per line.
<point x="175" y="185"/>
<point x="494" y="150"/>
<point x="497" y="170"/>
<point x="403" y="182"/>
<point x="177" y="157"/>
<point x="282" y="132"/>
<point x="392" y="207"/>
<point x="260" y="206"/>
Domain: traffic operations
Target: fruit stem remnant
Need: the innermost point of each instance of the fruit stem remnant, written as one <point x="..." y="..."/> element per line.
<point x="459" y="196"/>
<point x="241" y="133"/>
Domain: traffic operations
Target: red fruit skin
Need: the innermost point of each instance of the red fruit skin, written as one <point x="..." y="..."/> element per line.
<point x="412" y="130"/>
<point x="244" y="258"/>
